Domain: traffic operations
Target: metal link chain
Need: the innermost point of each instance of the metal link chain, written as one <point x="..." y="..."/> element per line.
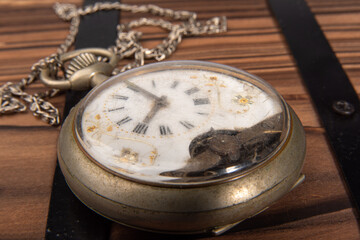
<point x="127" y="45"/>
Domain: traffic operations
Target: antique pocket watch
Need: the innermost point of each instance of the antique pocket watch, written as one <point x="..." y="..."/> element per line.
<point x="181" y="147"/>
<point x="172" y="147"/>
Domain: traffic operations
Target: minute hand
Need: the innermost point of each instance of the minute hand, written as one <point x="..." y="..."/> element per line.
<point x="140" y="89"/>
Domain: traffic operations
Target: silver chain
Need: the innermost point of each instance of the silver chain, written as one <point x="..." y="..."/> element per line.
<point x="14" y="99"/>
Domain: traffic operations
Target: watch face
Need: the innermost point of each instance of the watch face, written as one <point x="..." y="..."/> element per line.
<point x="182" y="123"/>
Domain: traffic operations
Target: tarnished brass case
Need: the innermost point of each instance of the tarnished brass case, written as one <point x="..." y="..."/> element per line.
<point x="208" y="208"/>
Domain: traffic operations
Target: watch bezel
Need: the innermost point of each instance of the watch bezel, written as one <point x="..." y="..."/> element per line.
<point x="199" y="65"/>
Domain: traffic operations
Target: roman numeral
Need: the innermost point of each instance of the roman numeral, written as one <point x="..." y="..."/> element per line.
<point x="201" y="101"/>
<point x="115" y="109"/>
<point x="165" y="130"/>
<point x="192" y="90"/>
<point x="141" y="128"/>
<point x="124" y="120"/>
<point x="121" y="97"/>
<point x="153" y="84"/>
<point x="201" y="113"/>
<point x="187" y="124"/>
<point x="174" y="84"/>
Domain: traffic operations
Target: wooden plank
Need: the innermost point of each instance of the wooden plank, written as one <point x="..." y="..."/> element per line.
<point x="27" y="160"/>
<point x="318" y="209"/>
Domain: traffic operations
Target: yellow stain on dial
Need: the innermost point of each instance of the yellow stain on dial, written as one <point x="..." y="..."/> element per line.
<point x="153" y="156"/>
<point x="243" y="101"/>
<point x="91" y="129"/>
<point x="128" y="155"/>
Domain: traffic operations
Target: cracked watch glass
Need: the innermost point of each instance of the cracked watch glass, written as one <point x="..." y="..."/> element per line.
<point x="182" y="123"/>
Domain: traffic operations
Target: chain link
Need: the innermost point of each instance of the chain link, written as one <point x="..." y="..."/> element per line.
<point x="127" y="45"/>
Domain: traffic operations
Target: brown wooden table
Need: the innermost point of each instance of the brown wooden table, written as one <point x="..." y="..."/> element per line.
<point x="318" y="209"/>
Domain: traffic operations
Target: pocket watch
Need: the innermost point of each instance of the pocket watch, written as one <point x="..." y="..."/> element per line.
<point x="181" y="147"/>
<point x="173" y="147"/>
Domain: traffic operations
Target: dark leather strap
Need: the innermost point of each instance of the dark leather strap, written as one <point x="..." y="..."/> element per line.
<point x="333" y="95"/>
<point x="68" y="218"/>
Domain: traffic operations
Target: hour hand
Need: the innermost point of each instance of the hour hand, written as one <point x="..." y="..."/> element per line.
<point x="158" y="104"/>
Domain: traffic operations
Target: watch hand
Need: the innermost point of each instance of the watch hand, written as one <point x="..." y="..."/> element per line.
<point x="142" y="90"/>
<point x="157" y="106"/>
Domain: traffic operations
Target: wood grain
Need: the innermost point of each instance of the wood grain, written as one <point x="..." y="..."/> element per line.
<point x="320" y="208"/>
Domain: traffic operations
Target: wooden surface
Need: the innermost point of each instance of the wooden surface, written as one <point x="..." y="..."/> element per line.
<point x="318" y="209"/>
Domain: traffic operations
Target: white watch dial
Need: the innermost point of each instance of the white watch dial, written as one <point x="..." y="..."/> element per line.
<point x="182" y="122"/>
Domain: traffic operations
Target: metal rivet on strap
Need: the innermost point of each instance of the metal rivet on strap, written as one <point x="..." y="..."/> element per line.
<point x="343" y="107"/>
